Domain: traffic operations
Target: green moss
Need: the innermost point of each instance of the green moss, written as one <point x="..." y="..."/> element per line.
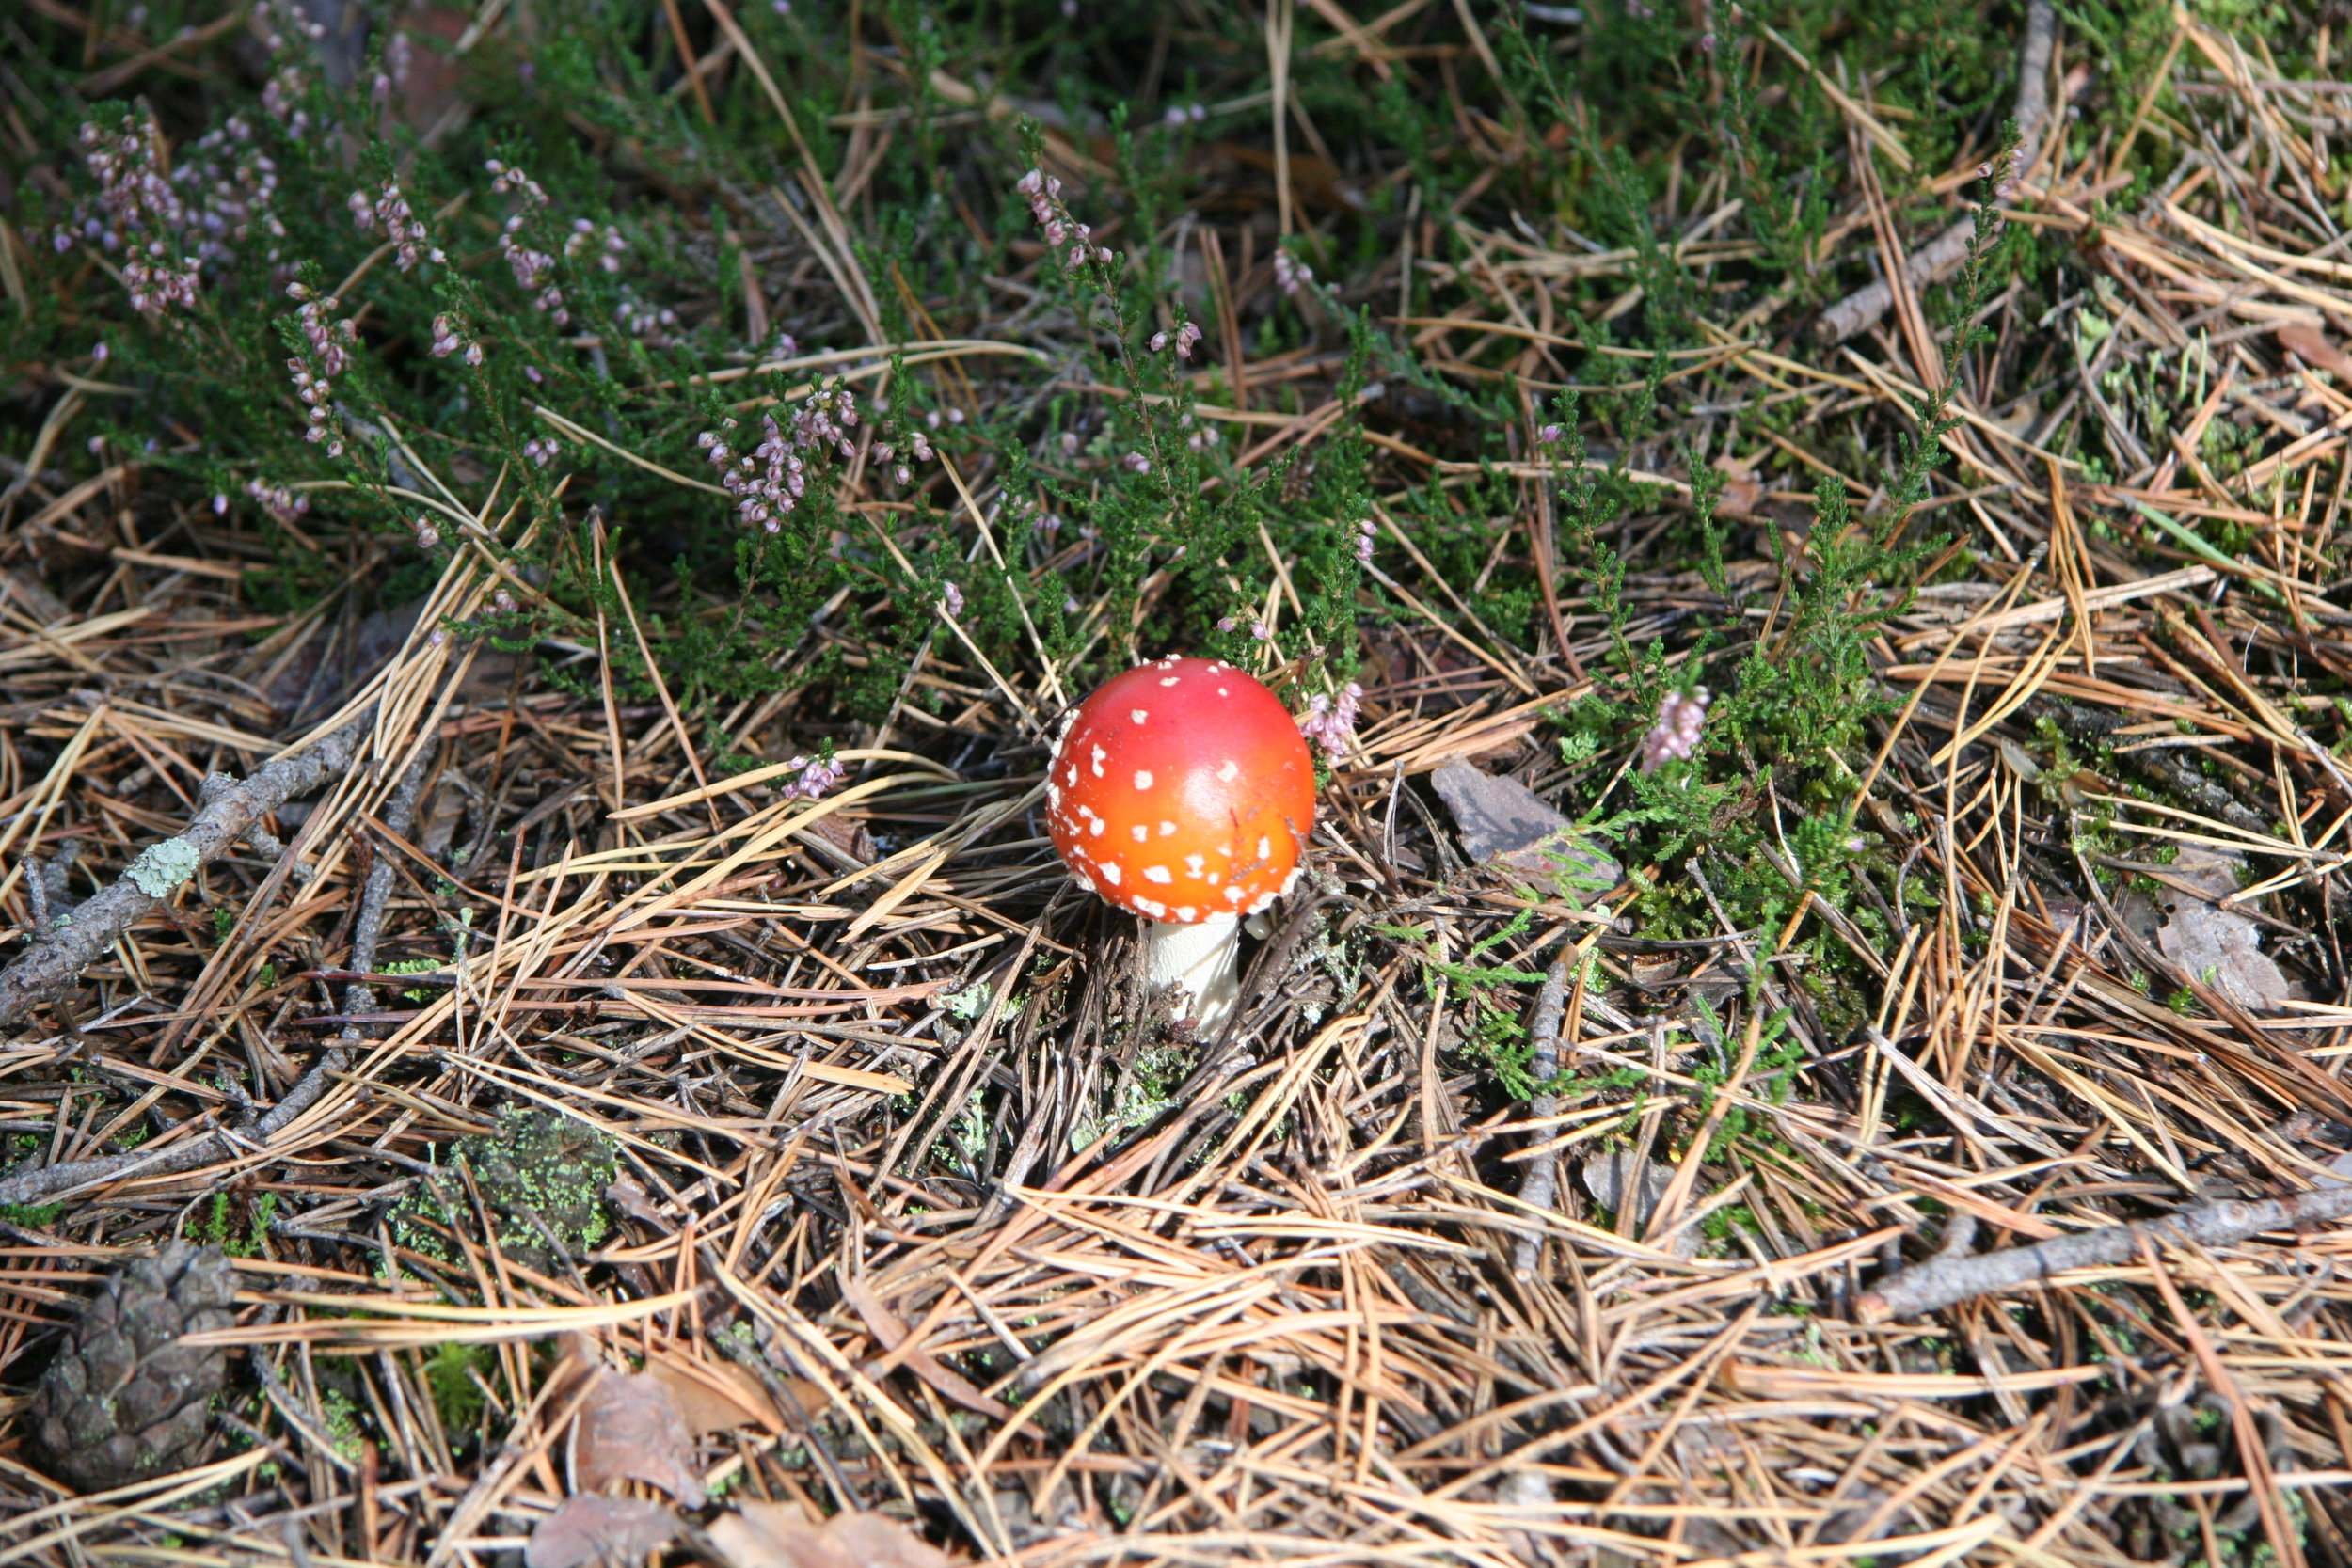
<point x="456" y="1397"/>
<point x="540" y="1176"/>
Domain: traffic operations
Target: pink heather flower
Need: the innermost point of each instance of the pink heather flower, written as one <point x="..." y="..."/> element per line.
<point x="446" y="340"/>
<point x="951" y="599"/>
<point x="401" y="226"/>
<point x="428" y="537"/>
<point x="281" y="503"/>
<point x="815" y="778"/>
<point x="1363" y="541"/>
<point x="1187" y="336"/>
<point x="541" y="450"/>
<point x="1159" y="341"/>
<point x="1138" y="462"/>
<point x="221" y="505"/>
<point x="217" y="194"/>
<point x="1676" y="735"/>
<point x="1547" y="436"/>
<point x="1329" y="722"/>
<point x="1291" y="274"/>
<point x="1226" y="623"/>
<point x="504" y="602"/>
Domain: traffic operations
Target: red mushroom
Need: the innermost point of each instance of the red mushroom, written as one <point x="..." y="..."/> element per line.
<point x="1182" y="791"/>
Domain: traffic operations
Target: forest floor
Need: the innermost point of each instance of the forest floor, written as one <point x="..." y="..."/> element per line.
<point x="542" y="547"/>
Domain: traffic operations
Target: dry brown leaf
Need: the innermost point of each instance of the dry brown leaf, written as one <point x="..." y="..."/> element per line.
<point x="713" y="1395"/>
<point x="885" y="1326"/>
<point x="592" y="1530"/>
<point x="1742" y="493"/>
<point x="630" y="1428"/>
<point x="782" y="1535"/>
<point x="2311" y="345"/>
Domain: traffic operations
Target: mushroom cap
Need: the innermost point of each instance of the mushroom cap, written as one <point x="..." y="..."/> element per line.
<point x="1182" y="791"/>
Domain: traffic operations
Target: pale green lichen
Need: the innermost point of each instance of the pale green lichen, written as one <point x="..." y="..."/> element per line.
<point x="164" y="866"/>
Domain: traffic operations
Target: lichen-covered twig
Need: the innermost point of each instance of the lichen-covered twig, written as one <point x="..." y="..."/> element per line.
<point x="73" y="941"/>
<point x="366" y="931"/>
<point x="1942" y="255"/>
<point x="1945" y="1281"/>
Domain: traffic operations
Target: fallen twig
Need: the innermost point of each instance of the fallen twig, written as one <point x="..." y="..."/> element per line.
<point x="35" y="1185"/>
<point x="228" y="811"/>
<point x="367" y="930"/>
<point x="1942" y="255"/>
<point x="1943" y="1281"/>
<point x="1540" y="1186"/>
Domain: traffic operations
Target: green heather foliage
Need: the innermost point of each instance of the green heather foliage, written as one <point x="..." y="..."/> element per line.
<point x="383" y="305"/>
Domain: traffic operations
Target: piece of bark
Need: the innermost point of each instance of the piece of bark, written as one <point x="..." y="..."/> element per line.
<point x="2217" y="945"/>
<point x="1501" y="821"/>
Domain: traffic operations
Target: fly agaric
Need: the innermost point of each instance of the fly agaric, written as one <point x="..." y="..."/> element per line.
<point x="1182" y="791"/>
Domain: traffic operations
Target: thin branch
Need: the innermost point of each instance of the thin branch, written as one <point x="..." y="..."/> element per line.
<point x="1942" y="255"/>
<point x="1540" y="1187"/>
<point x="229" y="811"/>
<point x="1943" y="1281"/>
<point x="367" y="930"/>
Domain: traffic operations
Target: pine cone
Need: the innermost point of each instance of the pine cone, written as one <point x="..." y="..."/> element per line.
<point x="124" y="1399"/>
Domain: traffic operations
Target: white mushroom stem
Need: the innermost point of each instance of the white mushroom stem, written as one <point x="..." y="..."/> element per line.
<point x="1203" y="960"/>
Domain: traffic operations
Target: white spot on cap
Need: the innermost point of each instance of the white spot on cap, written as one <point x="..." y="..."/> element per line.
<point x="1053" y="796"/>
<point x="1167" y="830"/>
<point x="1195" y="864"/>
<point x="1095" y="825"/>
<point x="1140" y="832"/>
<point x="1071" y="777"/>
<point x="1266" y="849"/>
<point x="1265" y="901"/>
<point x="1170" y="680"/>
<point x="1101" y="756"/>
<point x="1186" y="913"/>
<point x="1110" y="872"/>
<point x="1143" y="779"/>
<point x="1233" y="894"/>
<point x="1138" y="715"/>
<point x="1214" y="879"/>
<point x="1152" y="907"/>
<point x="1223" y="693"/>
<point x="1156" y="873"/>
<point x="1229" y="772"/>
